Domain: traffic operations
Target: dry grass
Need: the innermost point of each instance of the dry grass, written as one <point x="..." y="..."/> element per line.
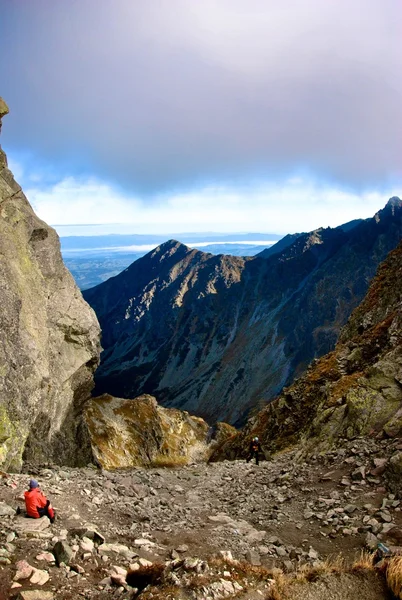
<point x="274" y="583"/>
<point x="308" y="573"/>
<point x="364" y="563"/>
<point x="394" y="576"/>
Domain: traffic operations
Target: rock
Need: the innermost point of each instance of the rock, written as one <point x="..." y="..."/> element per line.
<point x="63" y="553"/>
<point x="143" y="542"/>
<point x="393" y="473"/>
<point x="253" y="557"/>
<point x="46" y="556"/>
<point x="39" y="577"/>
<point x="4" y="110"/>
<point x="182" y="548"/>
<point x="86" y="545"/>
<point x="24" y="570"/>
<point x="107" y="549"/>
<point x="146" y="433"/>
<point x="371" y="541"/>
<point x="90" y="532"/>
<point x="35" y="595"/>
<point x="27" y="527"/>
<point x="6" y="510"/>
<point x="49" y="346"/>
<point x="143" y="562"/>
<point x="350" y="508"/>
<point x="359" y="474"/>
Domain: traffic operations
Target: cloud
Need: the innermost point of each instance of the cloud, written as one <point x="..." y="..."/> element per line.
<point x="175" y="95"/>
<point x="296" y="205"/>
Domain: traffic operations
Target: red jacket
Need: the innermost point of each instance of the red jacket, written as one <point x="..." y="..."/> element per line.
<point x="34" y="499"/>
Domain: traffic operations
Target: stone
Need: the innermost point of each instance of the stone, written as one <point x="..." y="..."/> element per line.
<point x="253" y="557"/>
<point x="86" y="545"/>
<point x="6" y="510"/>
<point x="393" y="473"/>
<point x="371" y="541"/>
<point x="35" y="595"/>
<point x="350" y="508"/>
<point x="359" y="474"/>
<point x="63" y="553"/>
<point x="143" y="562"/>
<point x="24" y="570"/>
<point x="143" y="542"/>
<point x="39" y="577"/>
<point x="172" y="436"/>
<point x="46" y="556"/>
<point x="385" y="516"/>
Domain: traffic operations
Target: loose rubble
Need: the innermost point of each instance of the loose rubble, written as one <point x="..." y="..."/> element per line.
<point x="226" y="524"/>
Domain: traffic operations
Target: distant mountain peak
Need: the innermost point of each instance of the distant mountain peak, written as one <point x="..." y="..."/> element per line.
<point x="393" y="204"/>
<point x="395" y="201"/>
<point x="168" y="248"/>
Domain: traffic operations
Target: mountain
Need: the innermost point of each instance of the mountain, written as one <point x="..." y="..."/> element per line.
<point x="219" y="335"/>
<point x="356" y="390"/>
<point x="49" y="343"/>
<point x="94" y="259"/>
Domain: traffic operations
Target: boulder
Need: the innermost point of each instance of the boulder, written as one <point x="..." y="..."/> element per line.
<point x="393" y="473"/>
<point x="139" y="432"/>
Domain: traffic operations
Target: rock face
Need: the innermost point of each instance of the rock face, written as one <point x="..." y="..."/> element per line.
<point x="356" y="390"/>
<point x="219" y="335"/>
<point x="49" y="344"/>
<point x="132" y="433"/>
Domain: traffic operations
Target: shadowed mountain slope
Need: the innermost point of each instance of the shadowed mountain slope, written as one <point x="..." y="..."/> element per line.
<point x="218" y="335"/>
<point x="356" y="390"/>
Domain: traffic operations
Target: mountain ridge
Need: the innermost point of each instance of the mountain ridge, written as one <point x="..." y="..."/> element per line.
<point x="217" y="335"/>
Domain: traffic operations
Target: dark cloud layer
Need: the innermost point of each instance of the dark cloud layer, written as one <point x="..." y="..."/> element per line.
<point x="167" y="93"/>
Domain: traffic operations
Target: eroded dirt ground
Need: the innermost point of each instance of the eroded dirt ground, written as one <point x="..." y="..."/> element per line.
<point x="284" y="513"/>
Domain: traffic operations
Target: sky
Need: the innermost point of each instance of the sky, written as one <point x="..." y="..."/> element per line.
<point x="216" y="115"/>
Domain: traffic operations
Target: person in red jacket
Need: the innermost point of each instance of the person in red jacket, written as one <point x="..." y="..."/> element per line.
<point x="36" y="503"/>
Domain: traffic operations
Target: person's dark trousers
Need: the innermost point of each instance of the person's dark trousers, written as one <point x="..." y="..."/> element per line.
<point x="45" y="512"/>
<point x="253" y="455"/>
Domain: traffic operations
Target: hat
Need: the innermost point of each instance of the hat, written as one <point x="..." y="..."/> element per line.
<point x="33" y="483"/>
<point x="256" y="439"/>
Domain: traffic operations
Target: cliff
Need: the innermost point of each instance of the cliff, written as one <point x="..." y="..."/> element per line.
<point x="49" y="344"/>
<point x="220" y="335"/>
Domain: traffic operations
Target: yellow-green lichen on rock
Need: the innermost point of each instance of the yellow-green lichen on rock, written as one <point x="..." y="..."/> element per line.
<point x="49" y="344"/>
<point x="138" y="432"/>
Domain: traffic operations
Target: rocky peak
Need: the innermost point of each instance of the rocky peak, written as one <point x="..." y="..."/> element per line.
<point x="3" y="109"/>
<point x="393" y="206"/>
